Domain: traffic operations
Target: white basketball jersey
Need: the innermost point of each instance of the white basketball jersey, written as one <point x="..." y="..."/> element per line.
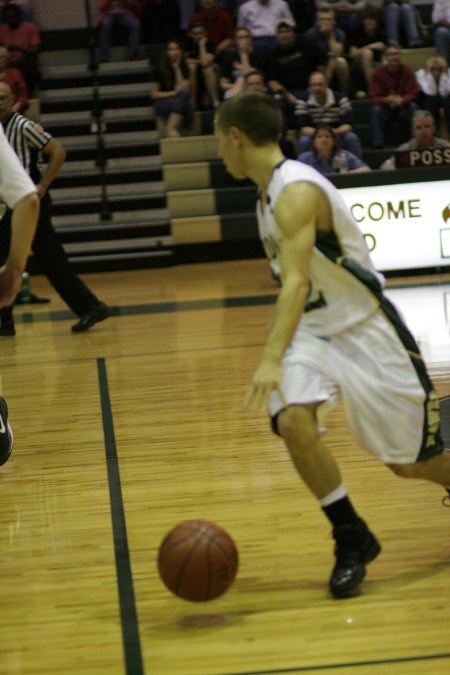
<point x="344" y="283"/>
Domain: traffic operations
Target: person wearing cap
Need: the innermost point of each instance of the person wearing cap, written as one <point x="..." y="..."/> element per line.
<point x="261" y="18"/>
<point x="290" y="66"/>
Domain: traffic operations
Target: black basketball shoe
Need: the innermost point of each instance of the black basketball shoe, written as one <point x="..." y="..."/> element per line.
<point x="446" y="499"/>
<point x="355" y="546"/>
<point x="6" y="434"/>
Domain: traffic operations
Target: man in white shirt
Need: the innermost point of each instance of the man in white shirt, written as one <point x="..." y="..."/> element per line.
<point x="261" y="18"/>
<point x="19" y="193"/>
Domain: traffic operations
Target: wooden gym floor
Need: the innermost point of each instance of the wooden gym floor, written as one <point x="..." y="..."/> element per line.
<point x="124" y="431"/>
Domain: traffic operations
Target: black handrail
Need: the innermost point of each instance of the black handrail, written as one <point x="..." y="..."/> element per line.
<point x="98" y="125"/>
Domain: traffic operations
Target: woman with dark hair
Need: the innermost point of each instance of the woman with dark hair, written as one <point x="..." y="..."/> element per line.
<point x="327" y="157"/>
<point x="171" y="92"/>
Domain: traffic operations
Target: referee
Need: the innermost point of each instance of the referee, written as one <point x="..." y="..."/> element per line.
<point x="29" y="140"/>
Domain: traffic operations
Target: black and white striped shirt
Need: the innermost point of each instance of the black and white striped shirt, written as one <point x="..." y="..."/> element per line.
<point x="336" y="110"/>
<point x="27" y="140"/>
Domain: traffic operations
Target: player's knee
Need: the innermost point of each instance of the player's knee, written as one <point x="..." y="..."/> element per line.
<point x="404" y="470"/>
<point x="298" y="426"/>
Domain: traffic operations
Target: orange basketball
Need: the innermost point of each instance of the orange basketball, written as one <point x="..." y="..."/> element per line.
<point x="197" y="560"/>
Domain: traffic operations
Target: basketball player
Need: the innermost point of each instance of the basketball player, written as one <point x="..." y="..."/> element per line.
<point x="20" y="194"/>
<point x="333" y="333"/>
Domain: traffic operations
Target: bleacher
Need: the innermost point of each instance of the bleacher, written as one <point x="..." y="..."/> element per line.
<point x="169" y="200"/>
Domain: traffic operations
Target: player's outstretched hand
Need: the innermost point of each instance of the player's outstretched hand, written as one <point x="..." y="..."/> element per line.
<point x="10" y="282"/>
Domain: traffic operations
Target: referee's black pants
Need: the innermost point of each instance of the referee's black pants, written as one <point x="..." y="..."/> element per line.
<point x="52" y="260"/>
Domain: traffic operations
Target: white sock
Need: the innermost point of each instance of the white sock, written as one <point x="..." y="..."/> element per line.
<point x="339" y="493"/>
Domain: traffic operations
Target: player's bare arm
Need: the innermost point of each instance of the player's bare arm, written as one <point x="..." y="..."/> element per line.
<point x="296" y="214"/>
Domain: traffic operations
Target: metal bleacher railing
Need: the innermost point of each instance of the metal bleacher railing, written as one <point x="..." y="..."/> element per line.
<point x="98" y="125"/>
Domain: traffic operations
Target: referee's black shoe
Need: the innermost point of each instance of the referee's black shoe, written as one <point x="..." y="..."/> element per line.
<point x="6" y="434"/>
<point x="446" y="499"/>
<point x="98" y="313"/>
<point x="355" y="547"/>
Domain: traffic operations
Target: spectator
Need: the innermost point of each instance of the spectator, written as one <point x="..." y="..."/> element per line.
<point x="261" y="17"/>
<point x="22" y="40"/>
<point x="237" y="61"/>
<point x="160" y="21"/>
<point x="332" y="41"/>
<point x="366" y="48"/>
<point x="393" y="92"/>
<point x="203" y="77"/>
<point x="122" y="13"/>
<point x="16" y="81"/>
<point x="399" y="13"/>
<point x="423" y="129"/>
<point x="440" y="17"/>
<point x="327" y="157"/>
<point x="347" y="13"/>
<point x="218" y="24"/>
<point x="321" y="105"/>
<point x="434" y="85"/>
<point x="171" y="91"/>
<point x="254" y="81"/>
<point x="292" y="62"/>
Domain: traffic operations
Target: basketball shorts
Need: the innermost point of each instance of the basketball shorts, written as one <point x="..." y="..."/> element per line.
<point x="390" y="410"/>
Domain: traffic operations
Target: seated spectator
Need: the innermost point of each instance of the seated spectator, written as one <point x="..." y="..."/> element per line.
<point x="200" y="52"/>
<point x="24" y="5"/>
<point x="22" y="40"/>
<point x="321" y="105"/>
<point x="218" y="24"/>
<point x="440" y="17"/>
<point x="15" y="80"/>
<point x="170" y="90"/>
<point x="434" y="85"/>
<point x="290" y="65"/>
<point x="347" y="13"/>
<point x="393" y="92"/>
<point x="160" y="21"/>
<point x="254" y="81"/>
<point x="332" y="41"/>
<point x="366" y="48"/>
<point x="239" y="60"/>
<point x="423" y="129"/>
<point x="327" y="157"/>
<point x="261" y="18"/>
<point x="122" y="13"/>
<point x="400" y="13"/>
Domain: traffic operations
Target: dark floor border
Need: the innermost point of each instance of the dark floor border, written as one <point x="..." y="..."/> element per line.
<point x="128" y="612"/>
